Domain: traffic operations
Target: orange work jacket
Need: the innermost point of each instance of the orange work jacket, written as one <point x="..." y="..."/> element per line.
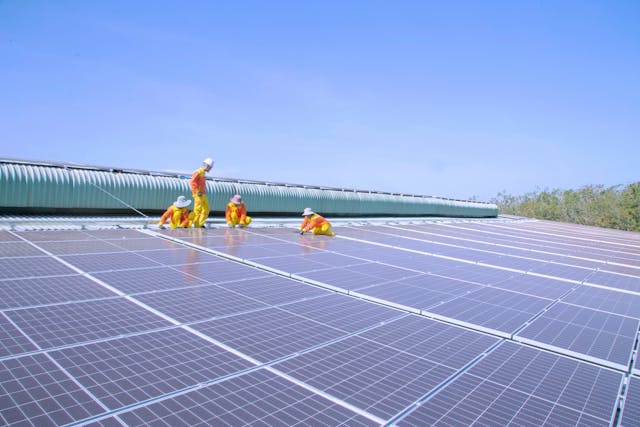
<point x="311" y="222"/>
<point x="198" y="182"/>
<point x="183" y="219"/>
<point x="241" y="211"/>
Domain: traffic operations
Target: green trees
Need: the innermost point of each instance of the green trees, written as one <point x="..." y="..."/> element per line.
<point x="612" y="207"/>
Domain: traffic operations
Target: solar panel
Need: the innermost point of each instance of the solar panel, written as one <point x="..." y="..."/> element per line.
<point x="18" y="249"/>
<point x="13" y="341"/>
<point x="150" y="279"/>
<point x="631" y="410"/>
<point x="292" y="264"/>
<point x="516" y="385"/>
<point x="436" y="341"/>
<point x="16" y="293"/>
<point x="117" y="234"/>
<point x="479" y="274"/>
<point x="124" y="371"/>
<point x="226" y="271"/>
<point x="58" y="235"/>
<point x="271" y="333"/>
<point x="179" y="256"/>
<point x="426" y="264"/>
<point x="93" y="263"/>
<point x="605" y="300"/>
<point x="384" y="271"/>
<point x="448" y="285"/>
<point x="632" y="267"/>
<point x="32" y="266"/>
<point x="6" y="236"/>
<point x="273" y="290"/>
<point x="63" y="324"/>
<point x="345" y="313"/>
<point x="577" y="274"/>
<point x="493" y="309"/>
<point x="35" y="391"/>
<point x="344" y="277"/>
<point x="365" y="328"/>
<point x="611" y="280"/>
<point x="407" y="295"/>
<point x="198" y="303"/>
<point x="144" y="244"/>
<point x="78" y="247"/>
<point x="543" y="287"/>
<point x="513" y="262"/>
<point x="596" y="335"/>
<point x="256" y="398"/>
<point x="249" y="252"/>
<point x="367" y="374"/>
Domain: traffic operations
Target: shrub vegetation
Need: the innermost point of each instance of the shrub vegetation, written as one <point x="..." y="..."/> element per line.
<point x="613" y="207"/>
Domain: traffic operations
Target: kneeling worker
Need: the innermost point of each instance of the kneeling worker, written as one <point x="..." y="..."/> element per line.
<point x="315" y="223"/>
<point x="236" y="212"/>
<point x="177" y="213"/>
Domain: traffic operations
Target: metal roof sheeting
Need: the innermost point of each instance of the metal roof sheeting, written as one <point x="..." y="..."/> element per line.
<point x="37" y="187"/>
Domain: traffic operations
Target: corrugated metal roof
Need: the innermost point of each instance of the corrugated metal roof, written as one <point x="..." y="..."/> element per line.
<point x="42" y="188"/>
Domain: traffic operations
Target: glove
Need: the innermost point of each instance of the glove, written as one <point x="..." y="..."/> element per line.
<point x="301" y="232"/>
<point x="199" y="193"/>
<point x="230" y="225"/>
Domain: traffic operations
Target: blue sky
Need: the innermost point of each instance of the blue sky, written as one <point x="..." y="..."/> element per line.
<point x="453" y="98"/>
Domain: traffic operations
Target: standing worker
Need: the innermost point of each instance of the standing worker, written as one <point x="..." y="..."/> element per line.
<point x="177" y="214"/>
<point x="236" y="212"/>
<point x="198" y="183"/>
<point x="315" y="223"/>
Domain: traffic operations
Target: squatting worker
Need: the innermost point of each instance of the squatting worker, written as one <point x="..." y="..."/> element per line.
<point x="177" y="214"/>
<point x="315" y="223"/>
<point x="198" y="183"/>
<point x="236" y="212"/>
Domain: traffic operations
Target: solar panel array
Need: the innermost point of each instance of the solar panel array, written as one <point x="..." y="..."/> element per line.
<point x="459" y="323"/>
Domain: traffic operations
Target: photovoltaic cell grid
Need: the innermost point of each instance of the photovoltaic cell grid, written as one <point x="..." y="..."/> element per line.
<point x="205" y="339"/>
<point x="498" y="314"/>
<point x="35" y="391"/>
<point x="493" y="308"/>
<point x="522" y="386"/>
<point x="256" y="398"/>
<point x="585" y="331"/>
<point x="124" y="371"/>
<point x="631" y="410"/>
<point x="36" y="291"/>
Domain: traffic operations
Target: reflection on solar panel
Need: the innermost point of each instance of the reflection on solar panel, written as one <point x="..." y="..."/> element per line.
<point x="485" y="322"/>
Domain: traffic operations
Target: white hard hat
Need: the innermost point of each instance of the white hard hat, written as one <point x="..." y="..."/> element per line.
<point x="182" y="202"/>
<point x="307" y="211"/>
<point x="208" y="161"/>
